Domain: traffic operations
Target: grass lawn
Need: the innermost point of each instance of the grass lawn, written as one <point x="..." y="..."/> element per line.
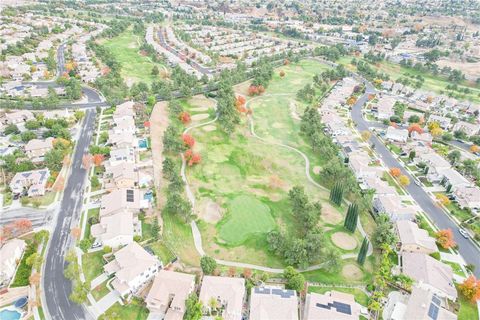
<point x="100" y="291"/>
<point x="360" y="296"/>
<point x="393" y="183"/>
<point x="461" y="214"/>
<point x="246" y="215"/>
<point x="135" y="66"/>
<point x="456" y="268"/>
<point x="135" y="310"/>
<point x="467" y="310"/>
<point x="91" y="213"/>
<point x="92" y="265"/>
<point x="162" y="251"/>
<point x="24" y="270"/>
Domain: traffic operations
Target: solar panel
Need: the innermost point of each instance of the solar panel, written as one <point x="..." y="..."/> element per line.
<point x="433" y="312"/>
<point x="342" y="307"/>
<point x="130" y="197"/>
<point x="262" y="290"/>
<point x="323" y="306"/>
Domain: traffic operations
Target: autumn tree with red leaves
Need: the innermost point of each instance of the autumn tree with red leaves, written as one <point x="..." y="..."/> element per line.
<point x="395" y="172"/>
<point x="470" y="288"/>
<point x="282" y="74"/>
<point x="252" y="90"/>
<point x="286" y="62"/>
<point x="98" y="159"/>
<point x="87" y="160"/>
<point x="185" y="117"/>
<point x="445" y="238"/>
<point x="188" y="154"/>
<point x="188" y="140"/>
<point x="22" y="226"/>
<point x="196" y="158"/>
<point x="240" y="101"/>
<point x="415" y="127"/>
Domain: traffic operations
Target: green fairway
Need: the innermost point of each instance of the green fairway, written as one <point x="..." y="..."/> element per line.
<point x="246" y="216"/>
<point x="135" y="66"/>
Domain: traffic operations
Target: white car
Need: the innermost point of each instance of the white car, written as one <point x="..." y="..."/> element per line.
<point x="463" y="233"/>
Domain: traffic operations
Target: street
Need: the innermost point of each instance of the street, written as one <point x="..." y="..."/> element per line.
<point x="39" y="217"/>
<point x="467" y="248"/>
<point x="56" y="287"/>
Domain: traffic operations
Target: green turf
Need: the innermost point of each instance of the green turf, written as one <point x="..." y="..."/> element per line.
<point x="135" y="66"/>
<point x="360" y="296"/>
<point x="135" y="310"/>
<point x="468" y="310"/>
<point x="92" y="265"/>
<point x="246" y="216"/>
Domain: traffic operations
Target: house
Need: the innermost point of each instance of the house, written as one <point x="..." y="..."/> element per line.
<point x="385" y="107"/>
<point x="378" y="185"/>
<point x="413" y="239"/>
<point x="10" y="254"/>
<point x="124" y="110"/>
<point x="123" y="199"/>
<point x="124" y="124"/>
<point x="470" y="129"/>
<point x="396" y="135"/>
<point x="358" y="162"/>
<point x="435" y="163"/>
<point x="452" y="180"/>
<point x="444" y="122"/>
<point x="393" y="207"/>
<point x="56" y="114"/>
<point x="123" y="175"/>
<point x="34" y="182"/>
<point x="331" y="305"/>
<point x="468" y="196"/>
<point x="18" y="117"/>
<point x="116" y="230"/>
<point x="422" y="304"/>
<point x="36" y="148"/>
<point x="121" y="139"/>
<point x="118" y="156"/>
<point x="229" y="293"/>
<point x="168" y="294"/>
<point x="270" y="303"/>
<point x="132" y="267"/>
<point x="423" y="137"/>
<point x="429" y="274"/>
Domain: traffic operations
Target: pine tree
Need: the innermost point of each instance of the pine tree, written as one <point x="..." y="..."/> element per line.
<point x="362" y="254"/>
<point x="348" y="217"/>
<point x="354" y="221"/>
<point x="336" y="194"/>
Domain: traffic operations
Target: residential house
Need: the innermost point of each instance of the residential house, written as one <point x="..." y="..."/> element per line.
<point x="35" y="149"/>
<point x="424" y="137"/>
<point x="166" y="299"/>
<point x="331" y="305"/>
<point x="121" y="139"/>
<point x="34" y="182"/>
<point x="470" y="129"/>
<point x="429" y="274"/>
<point x="124" y="175"/>
<point x="10" y="254"/>
<point x="132" y="267"/>
<point x="435" y="163"/>
<point x="385" y="107"/>
<point x="18" y="117"/>
<point x="413" y="239"/>
<point x="359" y="163"/>
<point x="422" y="304"/>
<point x="378" y="185"/>
<point x="444" y="122"/>
<point x="119" y="156"/>
<point x="270" y="303"/>
<point x="124" y="124"/>
<point x="452" y="180"/>
<point x="229" y="293"/>
<point x="116" y="230"/>
<point x="56" y="114"/>
<point x="468" y="196"/>
<point x="123" y="199"/>
<point x="392" y="206"/>
<point x="124" y="110"/>
<point x="396" y="135"/>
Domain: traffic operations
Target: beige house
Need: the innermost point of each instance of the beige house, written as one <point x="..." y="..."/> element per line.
<point x="270" y="303"/>
<point x="392" y="206"/>
<point x="10" y="254"/>
<point x="429" y="274"/>
<point x="331" y="305"/>
<point x="133" y="267"/>
<point x="18" y="117"/>
<point x="34" y="182"/>
<point x="229" y="293"/>
<point x="37" y="148"/>
<point x="168" y="294"/>
<point x="414" y="239"/>
<point x="116" y="230"/>
<point x="120" y="200"/>
<point x="124" y="175"/>
<point x="121" y="139"/>
<point x="468" y="197"/>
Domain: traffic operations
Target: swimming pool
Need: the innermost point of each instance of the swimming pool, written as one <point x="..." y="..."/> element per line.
<point x="143" y="143"/>
<point x="7" y="314"/>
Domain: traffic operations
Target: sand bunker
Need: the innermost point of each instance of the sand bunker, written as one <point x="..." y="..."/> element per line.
<point x="330" y="214"/>
<point x="211" y="212"/>
<point x="352" y="272"/>
<point x="344" y="241"/>
<point x="200" y="116"/>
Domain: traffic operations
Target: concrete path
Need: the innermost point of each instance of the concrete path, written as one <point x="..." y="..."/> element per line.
<point x="106" y="302"/>
<point x="98" y="280"/>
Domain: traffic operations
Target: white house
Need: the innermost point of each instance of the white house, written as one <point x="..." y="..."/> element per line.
<point x="34" y="182"/>
<point x="10" y="254"/>
<point x="392" y="206"/>
<point x="396" y="135"/>
<point x="229" y="293"/>
<point x="413" y="239"/>
<point x="117" y="229"/>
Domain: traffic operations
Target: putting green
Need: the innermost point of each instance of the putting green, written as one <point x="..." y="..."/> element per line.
<point x="246" y="216"/>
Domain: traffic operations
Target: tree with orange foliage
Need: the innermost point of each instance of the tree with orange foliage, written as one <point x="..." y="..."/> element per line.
<point x="76" y="232"/>
<point x="59" y="184"/>
<point x="415" y="127"/>
<point x="232" y="271"/>
<point x="247" y="273"/>
<point x="240" y="101"/>
<point x="371" y="96"/>
<point x="282" y="74"/>
<point x="87" y="160"/>
<point x="474" y="148"/>
<point x="196" y="158"/>
<point x="351" y="101"/>
<point x="188" y="154"/>
<point x="188" y="140"/>
<point x="252" y="90"/>
<point x="34" y="279"/>
<point x="395" y="172"/>
<point x="22" y="226"/>
<point x="185" y="117"/>
<point x="261" y="89"/>
<point x="470" y="288"/>
<point x="6" y="232"/>
<point x="445" y="238"/>
<point x="98" y="159"/>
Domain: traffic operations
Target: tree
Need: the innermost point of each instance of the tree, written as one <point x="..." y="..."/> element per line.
<point x="412" y="155"/>
<point x="295" y="280"/>
<point x="333" y="260"/>
<point x="193" y="308"/>
<point x="445" y="238"/>
<point x="395" y="172"/>
<point x="22" y="226"/>
<point x="228" y="115"/>
<point x="155" y="228"/>
<point x="470" y="289"/>
<point x="155" y="71"/>
<point x="443" y="199"/>
<point x="188" y="140"/>
<point x="208" y="264"/>
<point x="474" y="149"/>
<point x="54" y="159"/>
<point x="460" y="134"/>
<point x="282" y="73"/>
<point x="437" y="132"/>
<point x="11" y="129"/>
<point x="366" y="135"/>
<point x="336" y="194"/>
<point x="27" y="136"/>
<point x="362" y="254"/>
<point x="87" y="161"/>
<point x="351" y="218"/>
<point x="404" y="180"/>
<point x="415" y="127"/>
<point x="454" y="156"/>
<point x="383" y="234"/>
<point x="172" y="141"/>
<point x="169" y="168"/>
<point x="185" y="117"/>
<point x="247" y="273"/>
<point x="98" y="159"/>
<point x="76" y="233"/>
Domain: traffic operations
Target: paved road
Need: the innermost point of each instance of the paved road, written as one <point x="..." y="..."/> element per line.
<point x="467" y="248"/>
<point x="56" y="287"/>
<point x="38" y="217"/>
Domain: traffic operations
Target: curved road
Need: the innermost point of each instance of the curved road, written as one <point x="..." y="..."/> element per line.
<point x="469" y="251"/>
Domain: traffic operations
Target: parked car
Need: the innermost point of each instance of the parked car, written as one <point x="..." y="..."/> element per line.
<point x="96" y="245"/>
<point x="463" y="233"/>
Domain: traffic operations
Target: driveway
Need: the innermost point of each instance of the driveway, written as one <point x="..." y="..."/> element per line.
<point x="106" y="302"/>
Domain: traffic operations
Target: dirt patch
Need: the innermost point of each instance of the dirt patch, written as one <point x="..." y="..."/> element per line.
<point x="209" y="128"/>
<point x="200" y="116"/>
<point x="199" y="109"/>
<point x="344" y="241"/>
<point x="210" y="212"/>
<point x="201" y="101"/>
<point x="317" y="169"/>
<point x="352" y="272"/>
<point x="330" y="214"/>
<point x="293" y="110"/>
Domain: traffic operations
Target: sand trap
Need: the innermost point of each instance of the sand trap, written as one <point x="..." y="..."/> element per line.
<point x="344" y="241"/>
<point x="352" y="272"/>
<point x="200" y="116"/>
<point x="199" y="109"/>
<point x="317" y="169"/>
<point x="211" y="212"/>
<point x="330" y="214"/>
<point x="209" y="128"/>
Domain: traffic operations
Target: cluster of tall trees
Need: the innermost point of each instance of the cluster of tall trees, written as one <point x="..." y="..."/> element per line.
<point x="305" y="244"/>
<point x="228" y="115"/>
<point x="336" y="194"/>
<point x="332" y="53"/>
<point x="351" y="218"/>
<point x="362" y="254"/>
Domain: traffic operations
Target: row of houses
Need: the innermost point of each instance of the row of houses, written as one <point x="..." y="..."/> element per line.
<point x="432" y="278"/>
